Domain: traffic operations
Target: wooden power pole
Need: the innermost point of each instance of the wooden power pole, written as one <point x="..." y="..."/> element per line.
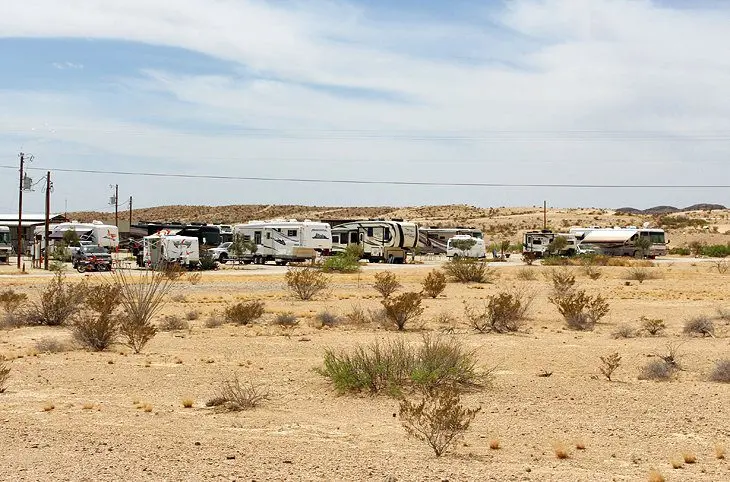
<point x="47" y="230"/>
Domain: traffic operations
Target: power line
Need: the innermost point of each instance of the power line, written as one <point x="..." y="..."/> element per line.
<point x="390" y="183"/>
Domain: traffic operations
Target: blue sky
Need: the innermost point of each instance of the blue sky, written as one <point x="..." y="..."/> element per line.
<point x="520" y="92"/>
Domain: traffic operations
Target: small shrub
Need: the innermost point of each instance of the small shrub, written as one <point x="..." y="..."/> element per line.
<point x="580" y="311"/>
<point x="192" y="315"/>
<point x="656" y="476"/>
<point x="52" y="345"/>
<point x="699" y="325"/>
<point x="439" y="419"/>
<point x="640" y="274"/>
<point x="562" y="280"/>
<point x="188" y="402"/>
<point x="468" y="270"/>
<point x="624" y="331"/>
<point x="723" y="314"/>
<point x="341" y="263"/>
<point x="689" y="458"/>
<point x="305" y="281"/>
<point x="234" y="395"/>
<point x="97" y="327"/>
<point x="654" y="327"/>
<point x="434" y="284"/>
<point x="526" y="274"/>
<point x="610" y="364"/>
<point x="173" y="323"/>
<point x="287" y="319"/>
<point x="721" y="372"/>
<point x="243" y="313"/>
<point x="672" y="356"/>
<point x="172" y="271"/>
<point x="386" y="283"/>
<point x="592" y="272"/>
<point x="561" y="450"/>
<point x="214" y="320"/>
<point x="403" y="308"/>
<point x="11" y="301"/>
<point x="504" y="312"/>
<point x="357" y="315"/>
<point x="59" y="300"/>
<point x="494" y="444"/>
<point x="195" y="277"/>
<point x="325" y="318"/>
<point x="4" y="374"/>
<point x="529" y="257"/>
<point x="657" y="370"/>
<point x="719" y="452"/>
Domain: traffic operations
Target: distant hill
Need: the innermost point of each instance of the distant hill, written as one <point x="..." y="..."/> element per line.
<point x="658" y="210"/>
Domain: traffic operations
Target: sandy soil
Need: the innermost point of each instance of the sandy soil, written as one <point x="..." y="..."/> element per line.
<point x="305" y="431"/>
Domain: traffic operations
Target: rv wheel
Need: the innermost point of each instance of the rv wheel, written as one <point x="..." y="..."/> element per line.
<point x="223" y="258"/>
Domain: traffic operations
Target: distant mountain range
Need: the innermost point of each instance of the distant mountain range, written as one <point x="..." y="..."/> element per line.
<point x="658" y="210"/>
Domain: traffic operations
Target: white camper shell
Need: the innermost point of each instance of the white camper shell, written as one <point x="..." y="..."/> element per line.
<point x="380" y="240"/>
<point x="622" y="241"/>
<point x="432" y="240"/>
<point x="161" y="249"/>
<point x="536" y="242"/>
<point x="5" y="247"/>
<point x="284" y="241"/>
<point x="478" y="250"/>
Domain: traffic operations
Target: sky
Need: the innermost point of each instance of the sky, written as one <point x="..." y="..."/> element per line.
<point x="517" y="93"/>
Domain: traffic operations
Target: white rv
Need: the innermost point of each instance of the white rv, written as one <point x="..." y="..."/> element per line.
<point x="622" y="241"/>
<point x="284" y="241"/>
<point x="537" y="242"/>
<point x="96" y="233"/>
<point x="5" y="247"/>
<point x="433" y="239"/>
<point x="478" y="250"/>
<point x="161" y="249"/>
<point x="380" y="240"/>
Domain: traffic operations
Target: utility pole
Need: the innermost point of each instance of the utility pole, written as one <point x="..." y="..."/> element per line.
<point x="116" y="205"/>
<point x="25" y="184"/>
<point x="47" y="230"/>
<point x="544" y="215"/>
<point x="130" y="216"/>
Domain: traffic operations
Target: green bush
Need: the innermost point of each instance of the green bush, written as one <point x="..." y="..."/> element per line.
<point x="434" y="284"/>
<point x="306" y="281"/>
<point x="468" y="270"/>
<point x="59" y="301"/>
<point x="386" y="283"/>
<point x="243" y="313"/>
<point x="341" y="263"/>
<point x="716" y="250"/>
<point x="97" y="327"/>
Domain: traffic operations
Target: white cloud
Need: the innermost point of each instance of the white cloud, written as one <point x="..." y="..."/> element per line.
<point x="67" y="65"/>
<point x="607" y="67"/>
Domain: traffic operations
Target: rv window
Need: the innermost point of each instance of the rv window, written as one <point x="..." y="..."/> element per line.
<point x="292" y="233"/>
<point x="268" y="235"/>
<point x="370" y="232"/>
<point x="335" y="239"/>
<point x="353" y="237"/>
<point x="537" y="241"/>
<point x="257" y="237"/>
<point x="386" y="235"/>
<point x="246" y="237"/>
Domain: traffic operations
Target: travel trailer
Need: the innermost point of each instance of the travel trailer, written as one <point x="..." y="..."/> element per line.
<point x="432" y="240"/>
<point x="623" y="241"/>
<point x="163" y="249"/>
<point x="283" y="241"/>
<point x="537" y="242"/>
<point x="5" y="247"/>
<point x="207" y="234"/>
<point x="478" y="250"/>
<point x="96" y="232"/>
<point x="380" y="240"/>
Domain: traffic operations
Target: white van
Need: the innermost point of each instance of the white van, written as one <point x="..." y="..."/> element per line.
<point x="478" y="249"/>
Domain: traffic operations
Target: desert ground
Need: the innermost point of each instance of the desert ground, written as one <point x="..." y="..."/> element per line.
<point x="119" y="415"/>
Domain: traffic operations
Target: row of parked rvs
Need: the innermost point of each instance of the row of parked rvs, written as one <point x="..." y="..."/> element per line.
<point x="616" y="241"/>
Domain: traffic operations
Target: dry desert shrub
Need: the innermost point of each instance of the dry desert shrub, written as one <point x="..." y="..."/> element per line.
<point x="97" y="326"/>
<point x="173" y="323"/>
<point x="327" y="318"/>
<point x="676" y="463"/>
<point x="656" y="476"/>
<point x="434" y="284"/>
<point x="699" y="325"/>
<point x="721" y="372"/>
<point x="723" y="314"/>
<point x="4" y="373"/>
<point x="233" y="395"/>
<point x="192" y="315"/>
<point x="141" y="299"/>
<point x="53" y="345"/>
<point x="188" y="402"/>
<point x="689" y="457"/>
<point x="580" y="311"/>
<point x="403" y="308"/>
<point x="386" y="283"/>
<point x="526" y="274"/>
<point x="722" y="266"/>
<point x="469" y="270"/>
<point x="194" y="278"/>
<point x="172" y="271"/>
<point x="653" y="326"/>
<point x="609" y="364"/>
<point x="503" y="312"/>
<point x="393" y="365"/>
<point x="528" y="258"/>
<point x="11" y="303"/>
<point x="439" y="418"/>
<point x="562" y="281"/>
<point x="243" y="313"/>
<point x="306" y="281"/>
<point x="561" y="450"/>
<point x="59" y="300"/>
<point x="719" y="452"/>
<point x="657" y="370"/>
<point x="624" y="330"/>
<point x="592" y="271"/>
<point x="640" y="274"/>
<point x="494" y="444"/>
<point x="286" y="319"/>
<point x="214" y="320"/>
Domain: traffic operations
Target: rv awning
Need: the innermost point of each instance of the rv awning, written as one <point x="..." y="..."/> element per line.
<point x="609" y="236"/>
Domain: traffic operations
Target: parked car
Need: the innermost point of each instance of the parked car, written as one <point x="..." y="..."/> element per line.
<point x="220" y="252"/>
<point x="87" y="252"/>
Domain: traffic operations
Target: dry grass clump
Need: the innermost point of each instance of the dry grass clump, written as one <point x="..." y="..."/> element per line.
<point x="580" y="311"/>
<point x="721" y="372"/>
<point x="58" y="301"/>
<point x="561" y="450"/>
<point x="50" y="344"/>
<point x="11" y="303"/>
<point x="699" y="325"/>
<point x="468" y="270"/>
<point x="624" y="331"/>
<point x="48" y="406"/>
<point x="243" y="313"/>
<point x="494" y="444"/>
<point x="526" y="274"/>
<point x="97" y="326"/>
<point x="306" y="281"/>
<point x="403" y="309"/>
<point x="723" y="314"/>
<point x="562" y="281"/>
<point x="719" y="452"/>
<point x="194" y="278"/>
<point x="188" y="402"/>
<point x="676" y="463"/>
<point x="173" y="323"/>
<point x="192" y="315"/>
<point x="689" y="457"/>
<point x="434" y="284"/>
<point x="641" y="274"/>
<point x="592" y="271"/>
<point x="656" y="476"/>
<point x="393" y="365"/>
<point x="439" y="418"/>
<point x="286" y="319"/>
<point x="609" y="364"/>
<point x="326" y="318"/>
<point x="233" y="395"/>
<point x="214" y="320"/>
<point x="4" y="373"/>
<point x="653" y="326"/>
<point x="503" y="312"/>
<point x="386" y="283"/>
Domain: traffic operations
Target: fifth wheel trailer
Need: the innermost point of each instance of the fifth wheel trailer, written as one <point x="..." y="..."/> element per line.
<point x="284" y="241"/>
<point x="380" y="240"/>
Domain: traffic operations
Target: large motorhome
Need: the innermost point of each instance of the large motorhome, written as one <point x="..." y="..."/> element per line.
<point x="537" y="242"/>
<point x="5" y="247"/>
<point x="432" y="240"/>
<point x="380" y="240"/>
<point x="622" y="241"/>
<point x="284" y="241"/>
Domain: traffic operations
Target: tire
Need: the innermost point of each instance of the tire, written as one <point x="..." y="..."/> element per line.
<point x="80" y="268"/>
<point x="223" y="258"/>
